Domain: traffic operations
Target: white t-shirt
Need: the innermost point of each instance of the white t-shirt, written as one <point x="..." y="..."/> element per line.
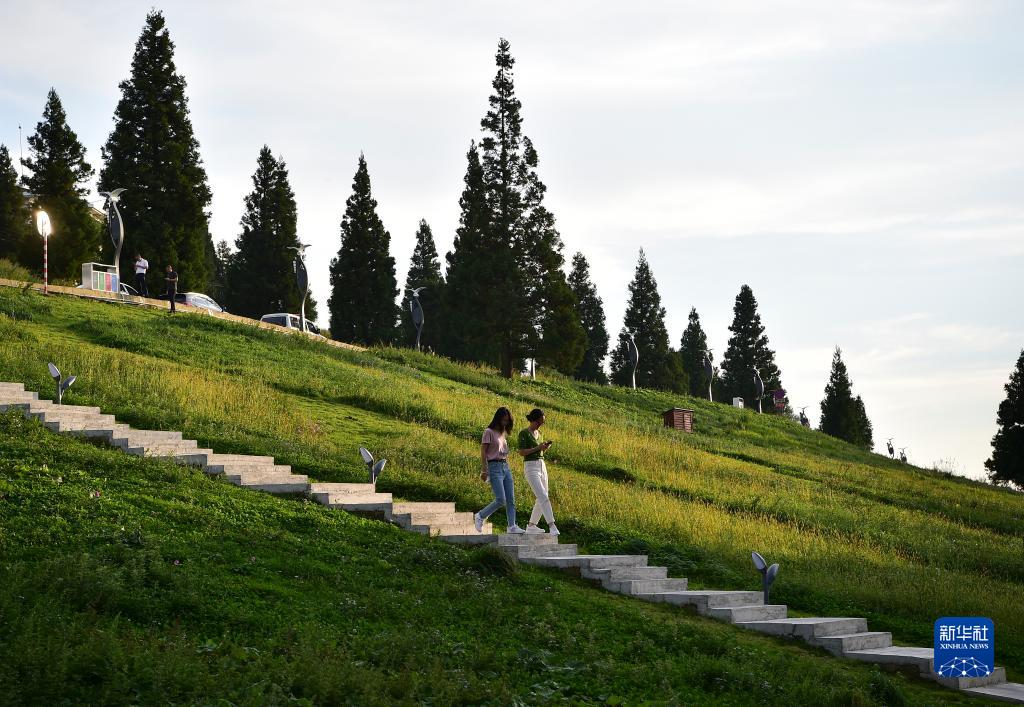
<point x="141" y="266"/>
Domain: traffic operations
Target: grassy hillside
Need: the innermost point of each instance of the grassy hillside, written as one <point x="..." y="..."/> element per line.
<point x="171" y="587"/>
<point x="855" y="533"/>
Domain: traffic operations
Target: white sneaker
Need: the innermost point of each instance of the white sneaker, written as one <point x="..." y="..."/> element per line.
<point x="553" y="529"/>
<point x="533" y="530"/>
<point x="478" y="522"/>
<point x="515" y="530"/>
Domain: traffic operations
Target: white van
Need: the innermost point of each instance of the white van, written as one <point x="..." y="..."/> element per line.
<point x="290" y="321"/>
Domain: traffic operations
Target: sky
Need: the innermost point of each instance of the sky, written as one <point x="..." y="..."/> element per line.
<point x="859" y="164"/>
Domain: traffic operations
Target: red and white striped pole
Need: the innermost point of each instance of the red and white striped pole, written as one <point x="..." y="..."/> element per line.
<point x="44" y="228"/>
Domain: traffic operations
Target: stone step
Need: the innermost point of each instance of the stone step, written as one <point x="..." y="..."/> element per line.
<point x="340" y="500"/>
<point x="247" y="479"/>
<point x="246" y="467"/>
<point x="756" y="612"/>
<point x="102" y="431"/>
<point x="409" y="519"/>
<point x="170" y="449"/>
<point x="133" y="438"/>
<point x="897" y="655"/>
<point x="11" y="402"/>
<point x="339" y="489"/>
<point x="379" y="503"/>
<point x="525" y="551"/>
<point x="808" y="628"/>
<point x="78" y="425"/>
<point x="424" y="507"/>
<point x="473" y="538"/>
<point x="531" y="539"/>
<point x="44" y="409"/>
<point x="201" y="457"/>
<point x="844" y="643"/>
<point x="705" y="599"/>
<point x="6" y="386"/>
<point x="587" y="561"/>
<point x="282" y="487"/>
<point x="997" y="676"/>
<point x="453" y="529"/>
<point x="619" y="573"/>
<point x="644" y="586"/>
<point x="1005" y="692"/>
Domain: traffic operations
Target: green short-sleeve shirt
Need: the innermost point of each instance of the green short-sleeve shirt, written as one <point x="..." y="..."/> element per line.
<point x="528" y="441"/>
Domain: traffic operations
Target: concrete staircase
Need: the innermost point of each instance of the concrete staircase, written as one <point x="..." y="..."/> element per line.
<point x="624" y="574"/>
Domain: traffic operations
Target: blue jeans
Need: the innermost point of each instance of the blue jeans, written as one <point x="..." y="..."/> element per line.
<point x="500" y="476"/>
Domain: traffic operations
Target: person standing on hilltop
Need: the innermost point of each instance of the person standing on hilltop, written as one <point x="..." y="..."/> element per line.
<point x="494" y="461"/>
<point x="532" y="447"/>
<point x="172" y="285"/>
<point x="141" y="266"/>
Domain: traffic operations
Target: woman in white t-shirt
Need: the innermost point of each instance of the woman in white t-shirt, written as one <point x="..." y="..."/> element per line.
<point x="494" y="462"/>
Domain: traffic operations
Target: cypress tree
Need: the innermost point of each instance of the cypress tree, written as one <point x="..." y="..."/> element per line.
<point x="470" y="303"/>
<point x="645" y="319"/>
<point x="58" y="172"/>
<point x="747" y="349"/>
<point x="153" y="153"/>
<point x="363" y="283"/>
<point x="1006" y="465"/>
<point x="692" y="348"/>
<point x="424" y="272"/>
<point x="505" y="179"/>
<point x="590" y="311"/>
<point x="842" y="415"/>
<point x="16" y="232"/>
<point x="222" y="259"/>
<point x="262" y="277"/>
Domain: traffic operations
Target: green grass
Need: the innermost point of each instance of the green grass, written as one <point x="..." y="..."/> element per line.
<point x="855" y="533"/>
<point x="134" y="581"/>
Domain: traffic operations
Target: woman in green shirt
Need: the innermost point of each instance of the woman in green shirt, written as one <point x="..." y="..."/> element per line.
<point x="532" y="446"/>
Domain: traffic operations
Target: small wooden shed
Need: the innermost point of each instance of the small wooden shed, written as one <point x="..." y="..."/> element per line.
<point x="678" y="419"/>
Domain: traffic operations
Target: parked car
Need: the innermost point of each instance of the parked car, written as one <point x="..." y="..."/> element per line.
<point x="290" y="321"/>
<point x="125" y="289"/>
<point x="195" y="299"/>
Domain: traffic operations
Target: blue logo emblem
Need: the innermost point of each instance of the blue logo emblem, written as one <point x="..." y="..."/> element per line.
<point x="964" y="647"/>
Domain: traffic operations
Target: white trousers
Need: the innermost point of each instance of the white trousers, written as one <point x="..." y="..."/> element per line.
<point x="537" y="477"/>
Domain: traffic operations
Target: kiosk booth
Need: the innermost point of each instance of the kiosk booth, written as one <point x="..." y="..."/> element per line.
<point x="97" y="276"/>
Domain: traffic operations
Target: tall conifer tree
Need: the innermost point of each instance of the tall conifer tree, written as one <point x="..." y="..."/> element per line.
<point x="590" y="311"/>
<point x="153" y="153"/>
<point x="363" y="284"/>
<point x="842" y="415"/>
<point x="505" y="180"/>
<point x="470" y="303"/>
<point x="692" y="348"/>
<point x="16" y="232"/>
<point x="262" y="278"/>
<point x="424" y="272"/>
<point x="1006" y="465"/>
<point x="748" y="348"/>
<point x="58" y="174"/>
<point x="645" y="319"/>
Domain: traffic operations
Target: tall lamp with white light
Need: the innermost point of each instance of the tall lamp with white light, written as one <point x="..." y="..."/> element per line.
<point x="45" y="229"/>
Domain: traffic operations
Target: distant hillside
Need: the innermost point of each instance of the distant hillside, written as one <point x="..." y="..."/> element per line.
<point x="855" y="533"/>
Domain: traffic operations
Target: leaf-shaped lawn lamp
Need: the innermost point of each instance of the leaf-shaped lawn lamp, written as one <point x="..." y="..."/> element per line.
<point x="62" y="385"/>
<point x="376" y="470"/>
<point x="768" y="574"/>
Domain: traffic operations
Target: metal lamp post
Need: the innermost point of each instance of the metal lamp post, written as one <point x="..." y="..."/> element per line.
<point x="768" y="574"/>
<point x="301" y="280"/>
<point x="62" y="385"/>
<point x="45" y="229"/>
<point x="634" y="356"/>
<point x="116" y="226"/>
<point x="374" y="468"/>
<point x="709" y="372"/>
<point x="416" y="310"/>
<point x="758" y="388"/>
